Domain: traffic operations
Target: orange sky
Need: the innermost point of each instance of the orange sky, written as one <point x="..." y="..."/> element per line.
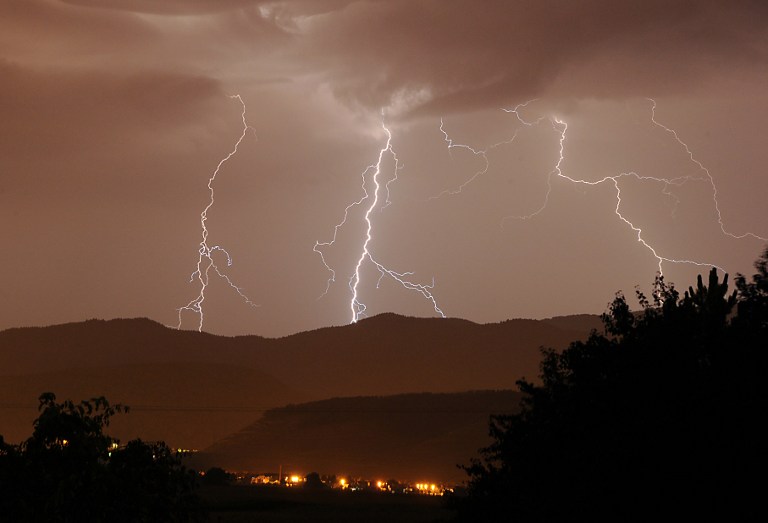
<point x="115" y="113"/>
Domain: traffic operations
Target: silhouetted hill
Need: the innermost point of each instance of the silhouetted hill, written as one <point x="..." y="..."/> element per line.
<point x="207" y="386"/>
<point x="409" y="436"/>
<point x="187" y="404"/>
<point x="97" y="343"/>
<point x="391" y="354"/>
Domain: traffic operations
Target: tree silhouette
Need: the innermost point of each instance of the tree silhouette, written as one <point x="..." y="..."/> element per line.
<point x="313" y="481"/>
<point x="69" y="470"/>
<point x="217" y="476"/>
<point x="753" y="307"/>
<point x="658" y="416"/>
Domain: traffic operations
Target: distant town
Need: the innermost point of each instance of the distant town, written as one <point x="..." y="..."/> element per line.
<point x="337" y="482"/>
<point x="293" y="479"/>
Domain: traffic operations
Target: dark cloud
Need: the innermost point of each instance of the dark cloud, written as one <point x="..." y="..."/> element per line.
<point x="37" y="29"/>
<point x="450" y="54"/>
<point x="63" y="35"/>
<point x="116" y="112"/>
<point x="165" y="6"/>
<point x="76" y="113"/>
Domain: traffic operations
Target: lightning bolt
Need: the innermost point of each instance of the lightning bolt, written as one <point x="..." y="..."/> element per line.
<point x="561" y="128"/>
<point x="205" y="261"/>
<point x="371" y="175"/>
<point x="482" y="153"/>
<point x="516" y="111"/>
<point x="708" y="176"/>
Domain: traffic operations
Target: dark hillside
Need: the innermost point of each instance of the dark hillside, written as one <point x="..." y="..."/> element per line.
<point x="196" y="388"/>
<point x="408" y="436"/>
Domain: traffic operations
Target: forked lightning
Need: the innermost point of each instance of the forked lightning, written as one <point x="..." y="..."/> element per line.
<point x="205" y="261"/>
<point x="561" y="127"/>
<point x="371" y="175"/>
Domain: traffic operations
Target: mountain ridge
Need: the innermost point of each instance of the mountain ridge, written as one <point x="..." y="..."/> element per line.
<point x="384" y="355"/>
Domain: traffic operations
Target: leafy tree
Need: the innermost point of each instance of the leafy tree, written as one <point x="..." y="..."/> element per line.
<point x="661" y="415"/>
<point x="69" y="470"/>
<point x="217" y="476"/>
<point x="753" y="307"/>
<point x="154" y="486"/>
<point x="313" y="481"/>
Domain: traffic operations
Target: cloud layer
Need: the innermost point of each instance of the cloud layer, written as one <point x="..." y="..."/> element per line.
<point x="114" y="114"/>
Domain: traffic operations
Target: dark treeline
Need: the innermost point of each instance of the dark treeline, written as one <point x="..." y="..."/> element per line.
<point x="69" y="470"/>
<point x="659" y="417"/>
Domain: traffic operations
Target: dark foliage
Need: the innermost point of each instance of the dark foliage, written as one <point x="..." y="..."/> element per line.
<point x="661" y="416"/>
<point x="313" y="481"/>
<point x="217" y="476"/>
<point x="69" y="470"/>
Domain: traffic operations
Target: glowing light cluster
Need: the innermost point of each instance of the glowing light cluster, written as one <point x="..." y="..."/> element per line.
<point x="371" y="176"/>
<point x="205" y="261"/>
<point x="428" y="488"/>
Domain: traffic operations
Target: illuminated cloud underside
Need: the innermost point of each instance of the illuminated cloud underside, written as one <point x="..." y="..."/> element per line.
<point x="117" y="115"/>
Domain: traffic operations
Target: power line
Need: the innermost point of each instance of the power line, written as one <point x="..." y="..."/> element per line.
<point x="285" y="410"/>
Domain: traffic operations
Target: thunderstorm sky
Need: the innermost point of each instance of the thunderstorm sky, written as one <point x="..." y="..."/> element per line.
<point x="116" y="114"/>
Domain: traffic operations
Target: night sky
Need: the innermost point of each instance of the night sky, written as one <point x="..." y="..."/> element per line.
<point x="114" y="115"/>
